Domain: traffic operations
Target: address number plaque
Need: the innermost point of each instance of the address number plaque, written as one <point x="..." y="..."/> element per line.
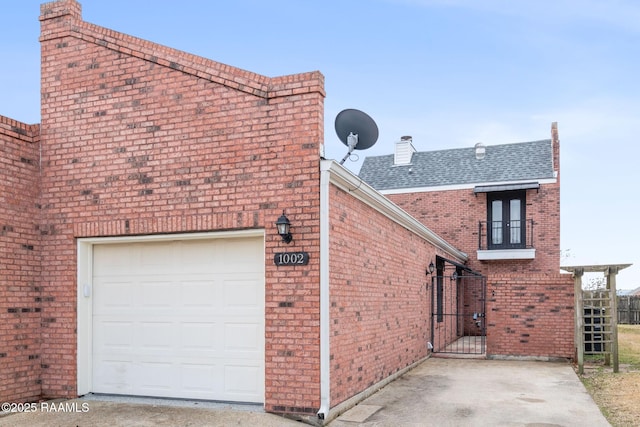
<point x="291" y="258"/>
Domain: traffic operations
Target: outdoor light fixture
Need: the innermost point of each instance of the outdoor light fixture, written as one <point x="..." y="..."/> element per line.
<point x="454" y="276"/>
<point x="284" y="227"/>
<point x="431" y="268"/>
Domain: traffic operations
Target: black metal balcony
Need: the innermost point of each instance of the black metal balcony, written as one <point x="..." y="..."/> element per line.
<point x="500" y="235"/>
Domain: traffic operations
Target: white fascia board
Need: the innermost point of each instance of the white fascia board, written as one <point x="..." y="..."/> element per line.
<point x="470" y="186"/>
<point x="342" y="178"/>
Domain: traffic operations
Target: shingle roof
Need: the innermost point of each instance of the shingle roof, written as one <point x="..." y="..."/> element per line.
<point x="507" y="162"/>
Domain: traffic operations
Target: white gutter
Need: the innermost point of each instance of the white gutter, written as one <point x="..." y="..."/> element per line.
<point x="325" y="367"/>
<point x="470" y="186"/>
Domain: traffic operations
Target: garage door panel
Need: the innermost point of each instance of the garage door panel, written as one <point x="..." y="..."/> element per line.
<point x="200" y="379"/>
<point x="155" y="293"/>
<point x="200" y="256"/>
<point x="115" y="336"/>
<point x="242" y="294"/>
<point x="155" y="258"/>
<point x="114" y="258"/>
<point x="194" y="330"/>
<point x="241" y="379"/>
<point x="155" y="378"/>
<point x="113" y="376"/>
<point x="157" y="336"/>
<point x="199" y="336"/>
<point x="241" y="338"/>
<point x="239" y="254"/>
<point x="112" y="295"/>
<point x="199" y="293"/>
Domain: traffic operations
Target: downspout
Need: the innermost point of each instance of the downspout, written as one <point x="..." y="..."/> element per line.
<point x="325" y="385"/>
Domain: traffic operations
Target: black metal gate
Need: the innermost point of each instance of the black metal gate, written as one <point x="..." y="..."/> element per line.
<point x="458" y="321"/>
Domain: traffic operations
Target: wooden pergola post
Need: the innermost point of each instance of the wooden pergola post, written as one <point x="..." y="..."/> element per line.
<point x="579" y="317"/>
<point x="611" y="287"/>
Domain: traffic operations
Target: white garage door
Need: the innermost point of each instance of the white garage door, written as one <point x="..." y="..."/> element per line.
<point x="179" y="319"/>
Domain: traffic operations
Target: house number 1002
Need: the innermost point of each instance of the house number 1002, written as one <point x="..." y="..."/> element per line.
<point x="291" y="258"/>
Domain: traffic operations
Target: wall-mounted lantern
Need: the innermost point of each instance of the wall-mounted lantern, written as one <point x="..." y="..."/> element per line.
<point x="431" y="268"/>
<point x="284" y="228"/>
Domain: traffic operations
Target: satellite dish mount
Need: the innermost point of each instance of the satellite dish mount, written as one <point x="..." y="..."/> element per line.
<point x="356" y="130"/>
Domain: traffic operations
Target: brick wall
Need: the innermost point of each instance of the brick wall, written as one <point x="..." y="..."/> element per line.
<point x="472" y="299"/>
<point x="20" y="248"/>
<point x="139" y="138"/>
<point x="530" y="315"/>
<point x="455" y="215"/>
<point x="379" y="302"/>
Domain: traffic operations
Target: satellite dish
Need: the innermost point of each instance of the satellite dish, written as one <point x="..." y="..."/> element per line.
<point x="356" y="130"/>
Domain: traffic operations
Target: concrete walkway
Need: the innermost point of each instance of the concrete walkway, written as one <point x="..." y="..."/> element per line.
<point x="466" y="392"/>
<point x="439" y="392"/>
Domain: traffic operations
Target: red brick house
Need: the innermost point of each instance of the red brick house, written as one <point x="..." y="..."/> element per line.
<point x="501" y="205"/>
<point x="139" y="253"/>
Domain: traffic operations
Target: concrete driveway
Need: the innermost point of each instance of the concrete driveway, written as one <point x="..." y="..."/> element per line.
<point x="439" y="392"/>
<point x="466" y="392"/>
<point x="108" y="411"/>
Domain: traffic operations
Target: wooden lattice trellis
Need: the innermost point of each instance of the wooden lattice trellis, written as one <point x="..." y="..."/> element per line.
<point x="596" y="316"/>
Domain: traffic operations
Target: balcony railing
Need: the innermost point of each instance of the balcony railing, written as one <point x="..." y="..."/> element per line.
<point x="500" y="235"/>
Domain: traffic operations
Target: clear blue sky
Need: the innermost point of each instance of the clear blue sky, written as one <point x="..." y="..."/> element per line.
<point x="449" y="73"/>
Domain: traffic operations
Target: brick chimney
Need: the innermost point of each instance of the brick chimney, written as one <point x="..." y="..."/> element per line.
<point x="57" y="17"/>
<point x="555" y="145"/>
<point x="58" y="8"/>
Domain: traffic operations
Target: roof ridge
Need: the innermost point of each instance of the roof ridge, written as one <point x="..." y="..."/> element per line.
<point x="487" y="146"/>
<point x="465" y="148"/>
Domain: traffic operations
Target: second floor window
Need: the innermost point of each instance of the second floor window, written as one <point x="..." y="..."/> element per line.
<point x="506" y="219"/>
